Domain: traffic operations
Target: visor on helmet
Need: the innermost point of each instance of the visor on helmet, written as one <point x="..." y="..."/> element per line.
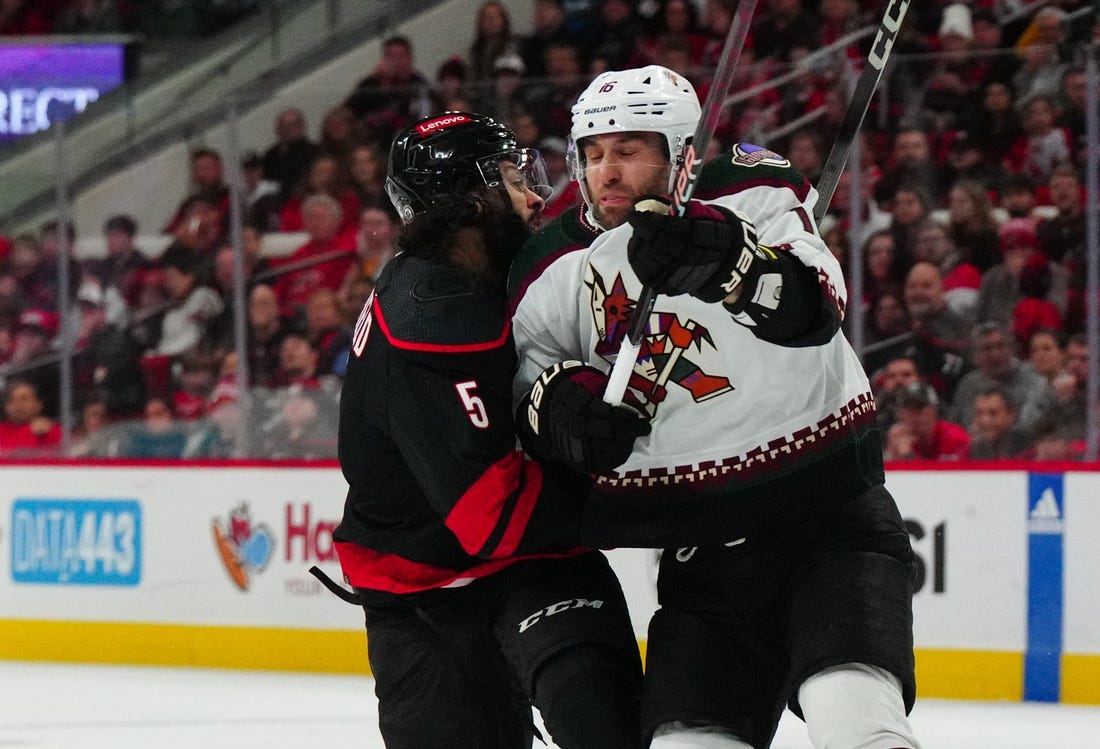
<point x="525" y="167"/>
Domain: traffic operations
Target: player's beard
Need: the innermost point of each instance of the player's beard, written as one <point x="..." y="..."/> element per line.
<point x="656" y="185"/>
<point x="504" y="232"/>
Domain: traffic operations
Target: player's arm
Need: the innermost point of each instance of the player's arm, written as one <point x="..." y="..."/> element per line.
<point x="713" y="253"/>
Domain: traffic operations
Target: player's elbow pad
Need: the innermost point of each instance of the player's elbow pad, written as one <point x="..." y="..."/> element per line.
<point x="786" y="304"/>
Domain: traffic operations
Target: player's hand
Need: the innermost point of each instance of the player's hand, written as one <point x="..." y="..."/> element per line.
<point x="565" y="418"/>
<point x="709" y="252"/>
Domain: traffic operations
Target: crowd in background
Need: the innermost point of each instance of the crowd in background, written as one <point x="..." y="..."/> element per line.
<point x="150" y="18"/>
<point x="972" y="243"/>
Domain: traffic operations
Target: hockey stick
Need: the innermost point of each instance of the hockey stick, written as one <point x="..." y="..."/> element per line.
<point x="857" y="107"/>
<point x="687" y="176"/>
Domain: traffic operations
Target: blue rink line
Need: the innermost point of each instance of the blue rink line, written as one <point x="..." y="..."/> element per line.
<point x="1045" y="523"/>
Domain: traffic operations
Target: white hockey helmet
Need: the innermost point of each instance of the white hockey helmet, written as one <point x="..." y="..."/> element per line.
<point x="650" y="99"/>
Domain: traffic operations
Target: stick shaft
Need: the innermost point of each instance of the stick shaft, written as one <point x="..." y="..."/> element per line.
<point x="686" y="178"/>
<point x="857" y="107"/>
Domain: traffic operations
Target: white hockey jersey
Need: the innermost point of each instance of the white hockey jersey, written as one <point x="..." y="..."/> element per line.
<point x="728" y="408"/>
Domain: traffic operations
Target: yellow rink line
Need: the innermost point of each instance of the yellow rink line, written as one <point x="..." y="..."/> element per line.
<point x="948" y="674"/>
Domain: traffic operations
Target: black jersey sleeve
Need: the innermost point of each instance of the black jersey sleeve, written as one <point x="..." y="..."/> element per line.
<point x="449" y="412"/>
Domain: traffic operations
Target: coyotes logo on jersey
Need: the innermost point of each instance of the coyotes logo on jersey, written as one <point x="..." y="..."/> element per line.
<point x="665" y="354"/>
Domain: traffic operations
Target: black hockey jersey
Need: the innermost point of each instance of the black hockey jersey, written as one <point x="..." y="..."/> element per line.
<point x="439" y="493"/>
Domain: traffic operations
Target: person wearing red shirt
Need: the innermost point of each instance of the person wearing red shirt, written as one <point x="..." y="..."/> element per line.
<point x="322" y="216"/>
<point x="920" y="433"/>
<point x="25" y="431"/>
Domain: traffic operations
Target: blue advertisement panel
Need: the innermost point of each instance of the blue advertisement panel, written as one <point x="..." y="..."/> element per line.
<point x="45" y="83"/>
<point x="76" y="542"/>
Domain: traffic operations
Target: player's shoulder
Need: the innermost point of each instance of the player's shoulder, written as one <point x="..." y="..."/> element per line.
<point x="427" y="305"/>
<point x="568" y="232"/>
<point x="745" y="166"/>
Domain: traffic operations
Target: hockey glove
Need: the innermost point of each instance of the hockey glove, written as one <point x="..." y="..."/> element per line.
<point x="564" y="418"/>
<point x="709" y="252"/>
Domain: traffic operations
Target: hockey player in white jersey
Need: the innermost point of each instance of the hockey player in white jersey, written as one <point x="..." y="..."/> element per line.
<point x="786" y="577"/>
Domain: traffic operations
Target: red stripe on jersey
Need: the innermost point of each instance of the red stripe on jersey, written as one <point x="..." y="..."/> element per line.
<point x="478" y="511"/>
<point x="443" y="348"/>
<point x="376" y="570"/>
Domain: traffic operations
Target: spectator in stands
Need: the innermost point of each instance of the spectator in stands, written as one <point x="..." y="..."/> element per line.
<point x="120" y="271"/>
<point x="32" y="356"/>
<point x="105" y="367"/>
<point x="1043" y="146"/>
<point x="1018" y="196"/>
<point x="23" y="18"/>
<point x="353" y="298"/>
<point x="552" y="99"/>
<point x="266" y="331"/>
<point x="452" y="87"/>
<point x="995" y="363"/>
<point x="1035" y="311"/>
<point x="966" y="162"/>
<point x="203" y="229"/>
<point x="994" y="430"/>
<point x="941" y="335"/>
<point x="1072" y="108"/>
<point x="325" y="177"/>
<point x="1000" y="291"/>
<point x="887" y="319"/>
<point x="27" y="271"/>
<point x="988" y="47"/>
<point x="1047" y="355"/>
<point x="804" y="153"/>
<point x="192" y="306"/>
<point x="25" y="430"/>
<point x="547" y="27"/>
<point x="955" y="73"/>
<point x="920" y="433"/>
<point x="303" y="427"/>
<point x="217" y="434"/>
<point x="287" y="160"/>
<point x="883" y="268"/>
<point x="91" y="17"/>
<point x="909" y="209"/>
<point x="340" y="133"/>
<point x="1052" y="443"/>
<point x="95" y="435"/>
<point x="679" y="20"/>
<point x="1062" y="237"/>
<point x="911" y="163"/>
<point x="330" y="336"/>
<point x="961" y="279"/>
<point x="322" y="262"/>
<point x="1071" y="393"/>
<point x="393" y="95"/>
<point x="1043" y="54"/>
<point x="504" y="97"/>
<point x="616" y="36"/>
<point x="147" y="308"/>
<point x="783" y="26"/>
<point x="889" y="383"/>
<point x="261" y="200"/>
<point x="492" y="39"/>
<point x="996" y="124"/>
<point x="208" y="181"/>
<point x="375" y="245"/>
<point x="298" y="360"/>
<point x="367" y="169"/>
<point x="527" y="130"/>
<point x="158" y="435"/>
<point x="973" y="224"/>
<point x="53" y="242"/>
<point x="198" y="373"/>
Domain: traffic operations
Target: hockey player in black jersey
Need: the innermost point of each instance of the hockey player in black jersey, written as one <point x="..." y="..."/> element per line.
<point x="785" y="578"/>
<point x="480" y="600"/>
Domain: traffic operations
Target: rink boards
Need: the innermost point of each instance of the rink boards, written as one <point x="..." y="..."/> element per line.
<point x="206" y="565"/>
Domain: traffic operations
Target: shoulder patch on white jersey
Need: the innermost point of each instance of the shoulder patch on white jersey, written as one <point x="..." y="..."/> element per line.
<point x="746" y="154"/>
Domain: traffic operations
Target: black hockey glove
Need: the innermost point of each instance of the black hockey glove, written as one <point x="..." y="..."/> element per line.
<point x="709" y="252"/>
<point x="564" y="418"/>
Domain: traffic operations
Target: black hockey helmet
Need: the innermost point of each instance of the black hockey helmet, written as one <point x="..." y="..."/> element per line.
<point x="451" y="154"/>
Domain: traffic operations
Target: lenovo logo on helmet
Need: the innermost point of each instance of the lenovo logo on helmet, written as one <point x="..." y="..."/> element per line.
<point x="441" y="123"/>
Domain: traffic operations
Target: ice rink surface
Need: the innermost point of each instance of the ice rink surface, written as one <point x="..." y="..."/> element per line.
<point x="51" y="706"/>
